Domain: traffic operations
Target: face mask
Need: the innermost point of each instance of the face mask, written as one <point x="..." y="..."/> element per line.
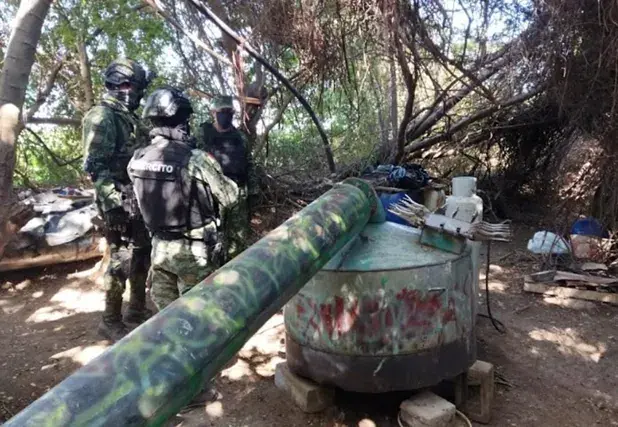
<point x="134" y="97"/>
<point x="224" y="119"/>
<point x="129" y="98"/>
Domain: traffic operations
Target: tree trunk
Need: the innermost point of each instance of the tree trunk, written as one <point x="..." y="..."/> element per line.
<point x="86" y="77"/>
<point x="386" y="148"/>
<point x="393" y="90"/>
<point x="18" y="61"/>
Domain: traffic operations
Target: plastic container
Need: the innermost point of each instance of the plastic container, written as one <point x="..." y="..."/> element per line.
<point x="544" y="242"/>
<point x="465" y="205"/>
<point x="433" y="199"/>
<point x="589" y="227"/>
<point x="388" y="199"/>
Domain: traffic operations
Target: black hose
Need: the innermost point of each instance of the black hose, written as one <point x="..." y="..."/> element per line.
<point x="498" y="325"/>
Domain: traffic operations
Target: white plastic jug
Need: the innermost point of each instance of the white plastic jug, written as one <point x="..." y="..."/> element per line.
<point x="465" y="205"/>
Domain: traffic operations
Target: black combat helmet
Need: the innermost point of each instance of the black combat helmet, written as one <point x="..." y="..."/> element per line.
<point x="125" y="70"/>
<point x="168" y="106"/>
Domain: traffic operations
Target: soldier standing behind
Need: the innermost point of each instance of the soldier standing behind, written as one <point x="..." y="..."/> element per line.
<point x="229" y="146"/>
<point x="183" y="196"/>
<point x="111" y="133"/>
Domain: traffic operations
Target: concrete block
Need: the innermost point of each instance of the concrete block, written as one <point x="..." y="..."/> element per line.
<point x="481" y="374"/>
<point x="309" y="396"/>
<point x="427" y="410"/>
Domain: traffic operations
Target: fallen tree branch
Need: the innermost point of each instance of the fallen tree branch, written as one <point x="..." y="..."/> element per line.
<point x="435" y="50"/>
<point x="25" y="179"/>
<point x="56" y="159"/>
<point x="457" y="126"/>
<point x="278" y="116"/>
<point x="160" y="10"/>
<point x="58" y="121"/>
<point x="249" y="49"/>
<point x="423" y="124"/>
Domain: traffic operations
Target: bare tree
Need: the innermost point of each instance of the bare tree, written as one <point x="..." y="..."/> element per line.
<point x="20" y="52"/>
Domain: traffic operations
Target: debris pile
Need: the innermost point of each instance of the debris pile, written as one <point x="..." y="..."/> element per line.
<point x="584" y="264"/>
<point x="63" y="230"/>
<point x="410" y="181"/>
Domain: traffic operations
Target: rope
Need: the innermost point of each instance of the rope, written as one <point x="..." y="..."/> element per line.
<point x="458" y="413"/>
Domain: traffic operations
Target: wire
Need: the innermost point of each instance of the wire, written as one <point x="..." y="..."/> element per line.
<point x="498" y="325"/>
<point x="458" y="412"/>
<point x="464" y="418"/>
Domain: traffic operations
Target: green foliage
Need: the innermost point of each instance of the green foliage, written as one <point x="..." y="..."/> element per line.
<point x="37" y="166"/>
<point x="339" y="52"/>
<point x="353" y="129"/>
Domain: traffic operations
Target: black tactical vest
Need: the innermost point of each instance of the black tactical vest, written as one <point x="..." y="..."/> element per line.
<point x="229" y="149"/>
<point x="169" y="199"/>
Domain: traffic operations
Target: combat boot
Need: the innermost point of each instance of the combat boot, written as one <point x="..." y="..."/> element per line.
<point x="137" y="313"/>
<point x="111" y="326"/>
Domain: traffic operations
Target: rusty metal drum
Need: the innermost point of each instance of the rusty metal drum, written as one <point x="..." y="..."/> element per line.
<point x="385" y="314"/>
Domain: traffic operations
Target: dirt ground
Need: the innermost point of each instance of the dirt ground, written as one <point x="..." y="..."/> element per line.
<point x="557" y="365"/>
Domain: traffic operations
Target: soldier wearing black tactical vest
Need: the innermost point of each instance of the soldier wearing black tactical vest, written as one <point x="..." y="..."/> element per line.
<point x="183" y="196"/>
<point x="230" y="147"/>
<point x="111" y="133"/>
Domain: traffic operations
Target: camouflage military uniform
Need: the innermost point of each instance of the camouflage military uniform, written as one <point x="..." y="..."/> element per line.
<point x="179" y="264"/>
<point x="237" y="228"/>
<point x="111" y="133"/>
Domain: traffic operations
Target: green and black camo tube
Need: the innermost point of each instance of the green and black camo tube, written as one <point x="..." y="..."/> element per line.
<point x="145" y="378"/>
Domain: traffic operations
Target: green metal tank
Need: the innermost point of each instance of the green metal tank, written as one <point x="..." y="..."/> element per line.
<point x="384" y="314"/>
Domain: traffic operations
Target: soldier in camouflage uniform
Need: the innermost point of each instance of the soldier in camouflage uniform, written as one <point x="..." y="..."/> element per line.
<point x="230" y="147"/>
<point x="111" y="133"/>
<point x="183" y="196"/>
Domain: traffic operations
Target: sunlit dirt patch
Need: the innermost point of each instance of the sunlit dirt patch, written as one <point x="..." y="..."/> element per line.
<point x="67" y="302"/>
<point x="82" y="354"/>
<point x="569" y="342"/>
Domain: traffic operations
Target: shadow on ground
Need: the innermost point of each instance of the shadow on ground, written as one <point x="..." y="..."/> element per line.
<point x="49" y="318"/>
<point x="557" y="366"/>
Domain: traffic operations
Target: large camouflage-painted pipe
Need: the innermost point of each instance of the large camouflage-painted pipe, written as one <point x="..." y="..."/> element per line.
<point x="158" y="368"/>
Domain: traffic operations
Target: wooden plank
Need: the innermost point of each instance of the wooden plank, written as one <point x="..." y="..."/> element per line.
<point x="555" y="276"/>
<point x="542" y="276"/>
<point x="540" y="288"/>
<point x="566" y="275"/>
<point x="592" y="266"/>
<point x="85" y="248"/>
<point x="579" y="284"/>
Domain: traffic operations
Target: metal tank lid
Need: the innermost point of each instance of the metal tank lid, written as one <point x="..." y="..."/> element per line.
<point x="387" y="246"/>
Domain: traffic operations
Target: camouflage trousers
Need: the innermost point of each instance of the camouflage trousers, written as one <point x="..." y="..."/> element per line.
<point x="177" y="266"/>
<point x="237" y="229"/>
<point x="129" y="260"/>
